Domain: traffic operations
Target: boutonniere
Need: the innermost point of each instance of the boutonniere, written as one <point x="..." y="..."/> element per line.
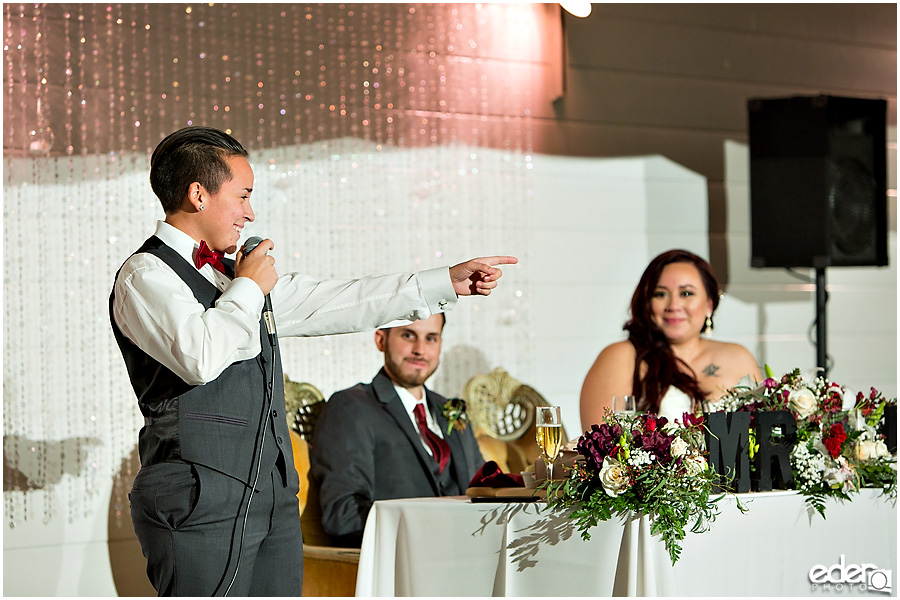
<point x="454" y="410"/>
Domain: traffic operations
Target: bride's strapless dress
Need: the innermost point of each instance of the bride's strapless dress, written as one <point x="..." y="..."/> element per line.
<point x="674" y="404"/>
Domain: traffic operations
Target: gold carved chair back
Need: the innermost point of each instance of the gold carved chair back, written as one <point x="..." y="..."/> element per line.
<point x="501" y="411"/>
<point x="327" y="570"/>
<point x="303" y="403"/>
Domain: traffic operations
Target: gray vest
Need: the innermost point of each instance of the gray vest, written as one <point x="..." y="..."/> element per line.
<point x="220" y="424"/>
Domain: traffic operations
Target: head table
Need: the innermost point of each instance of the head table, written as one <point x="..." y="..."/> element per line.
<point x="454" y="547"/>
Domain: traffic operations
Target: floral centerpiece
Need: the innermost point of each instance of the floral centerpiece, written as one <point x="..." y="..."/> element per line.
<point x="837" y="451"/>
<point x="641" y="463"/>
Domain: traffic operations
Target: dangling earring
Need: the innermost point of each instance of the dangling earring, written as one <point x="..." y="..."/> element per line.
<point x="708" y="326"/>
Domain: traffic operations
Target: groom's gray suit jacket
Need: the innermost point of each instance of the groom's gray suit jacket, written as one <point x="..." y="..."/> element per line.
<point x="366" y="448"/>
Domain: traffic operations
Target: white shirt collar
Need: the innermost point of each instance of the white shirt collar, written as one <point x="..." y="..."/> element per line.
<point x="409" y="401"/>
<point x="177" y="240"/>
<point x="186" y="247"/>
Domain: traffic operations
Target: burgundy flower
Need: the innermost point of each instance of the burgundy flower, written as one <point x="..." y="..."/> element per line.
<point x="655" y="442"/>
<point x="690" y="420"/>
<point x="868" y="405"/>
<point x="770" y="383"/>
<point x="834" y="399"/>
<point x="833" y="440"/>
<point x="598" y="443"/>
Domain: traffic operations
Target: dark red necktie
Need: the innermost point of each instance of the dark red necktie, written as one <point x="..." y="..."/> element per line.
<point x="206" y="255"/>
<point x="439" y="448"/>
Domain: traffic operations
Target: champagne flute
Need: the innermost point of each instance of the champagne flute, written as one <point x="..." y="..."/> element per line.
<point x="549" y="435"/>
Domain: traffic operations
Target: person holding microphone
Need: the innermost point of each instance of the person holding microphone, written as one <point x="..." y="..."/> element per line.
<point x="214" y="503"/>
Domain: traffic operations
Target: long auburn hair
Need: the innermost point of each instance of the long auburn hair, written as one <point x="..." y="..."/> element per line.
<point x="664" y="369"/>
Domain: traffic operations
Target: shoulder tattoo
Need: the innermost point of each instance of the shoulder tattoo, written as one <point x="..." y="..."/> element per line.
<point x="711" y="370"/>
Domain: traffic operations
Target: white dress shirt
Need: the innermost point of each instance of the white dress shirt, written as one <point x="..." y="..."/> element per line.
<point x="409" y="403"/>
<point x="157" y="310"/>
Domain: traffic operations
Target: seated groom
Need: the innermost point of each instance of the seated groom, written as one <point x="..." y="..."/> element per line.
<point x="388" y="439"/>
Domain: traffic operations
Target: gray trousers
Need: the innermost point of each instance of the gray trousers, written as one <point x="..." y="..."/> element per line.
<point x="188" y="520"/>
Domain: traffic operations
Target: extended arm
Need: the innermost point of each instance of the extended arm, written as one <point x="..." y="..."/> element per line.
<point x="306" y="307"/>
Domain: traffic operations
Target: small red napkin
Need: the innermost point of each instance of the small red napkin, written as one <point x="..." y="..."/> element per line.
<point x="490" y="475"/>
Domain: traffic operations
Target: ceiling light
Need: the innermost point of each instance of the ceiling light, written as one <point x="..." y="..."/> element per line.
<point x="578" y="8"/>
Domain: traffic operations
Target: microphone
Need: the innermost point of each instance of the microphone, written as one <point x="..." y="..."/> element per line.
<point x="268" y="315"/>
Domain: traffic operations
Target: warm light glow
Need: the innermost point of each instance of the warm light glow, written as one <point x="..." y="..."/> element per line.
<point x="579" y="8"/>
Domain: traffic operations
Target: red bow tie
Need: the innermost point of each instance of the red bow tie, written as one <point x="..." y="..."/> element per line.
<point x="206" y="255"/>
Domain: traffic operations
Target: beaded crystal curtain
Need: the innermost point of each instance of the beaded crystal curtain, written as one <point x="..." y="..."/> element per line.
<point x="384" y="137"/>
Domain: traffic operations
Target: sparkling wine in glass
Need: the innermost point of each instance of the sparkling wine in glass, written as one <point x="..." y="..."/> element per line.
<point x="549" y="435"/>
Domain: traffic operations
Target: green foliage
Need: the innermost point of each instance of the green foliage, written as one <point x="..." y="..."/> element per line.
<point x="837" y="452"/>
<point x="675" y="493"/>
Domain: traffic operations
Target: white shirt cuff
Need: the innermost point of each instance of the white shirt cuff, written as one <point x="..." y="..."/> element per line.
<point x="437" y="289"/>
<point x="244" y="292"/>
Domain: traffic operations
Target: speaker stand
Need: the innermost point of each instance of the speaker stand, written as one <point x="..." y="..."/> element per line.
<point x="821" y="298"/>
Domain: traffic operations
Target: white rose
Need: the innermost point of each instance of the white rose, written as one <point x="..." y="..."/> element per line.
<point x="613" y="477"/>
<point x="803" y="402"/>
<point x="678" y="447"/>
<point x="694" y="465"/>
<point x="864" y="450"/>
<point x="869" y="450"/>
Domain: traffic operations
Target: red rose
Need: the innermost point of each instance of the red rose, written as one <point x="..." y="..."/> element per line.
<point x="834" y="439"/>
<point x="834" y="447"/>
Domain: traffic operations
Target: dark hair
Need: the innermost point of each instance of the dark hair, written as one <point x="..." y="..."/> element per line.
<point x="664" y="369"/>
<point x="188" y="155"/>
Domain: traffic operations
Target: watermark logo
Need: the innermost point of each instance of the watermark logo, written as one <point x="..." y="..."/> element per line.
<point x="841" y="576"/>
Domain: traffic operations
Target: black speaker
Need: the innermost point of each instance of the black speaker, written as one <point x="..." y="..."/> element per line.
<point x="818" y="190"/>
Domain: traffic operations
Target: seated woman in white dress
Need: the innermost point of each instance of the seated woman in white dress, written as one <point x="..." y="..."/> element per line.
<point x="665" y="362"/>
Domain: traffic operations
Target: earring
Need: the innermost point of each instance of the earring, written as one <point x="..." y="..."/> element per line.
<point x="201" y="207"/>
<point x="708" y="326"/>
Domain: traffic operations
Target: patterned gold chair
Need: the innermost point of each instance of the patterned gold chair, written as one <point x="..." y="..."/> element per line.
<point x="303" y="403"/>
<point x="501" y="411"/>
<point x="327" y="570"/>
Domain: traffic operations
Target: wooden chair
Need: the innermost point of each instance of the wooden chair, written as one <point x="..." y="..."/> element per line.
<point x="501" y="412"/>
<point x="328" y="570"/>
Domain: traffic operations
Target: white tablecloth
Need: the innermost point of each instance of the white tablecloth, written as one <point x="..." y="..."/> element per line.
<point x="452" y="547"/>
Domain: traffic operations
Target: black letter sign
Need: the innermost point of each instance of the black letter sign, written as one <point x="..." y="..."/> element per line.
<point x="890" y="428"/>
<point x="727" y="439"/>
<point x="774" y="452"/>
